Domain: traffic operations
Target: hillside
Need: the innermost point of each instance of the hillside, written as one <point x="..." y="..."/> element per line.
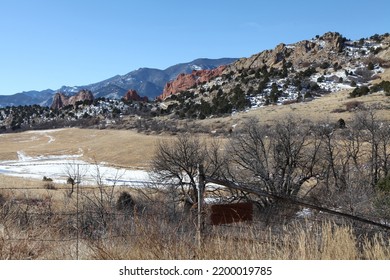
<point x="146" y="81"/>
<point x="328" y="75"/>
<point x="288" y="74"/>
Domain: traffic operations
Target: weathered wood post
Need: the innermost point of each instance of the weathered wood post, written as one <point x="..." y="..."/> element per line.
<point x="77" y="211"/>
<point x="200" y="188"/>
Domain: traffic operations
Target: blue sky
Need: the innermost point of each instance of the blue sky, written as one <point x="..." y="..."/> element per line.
<point x="47" y="44"/>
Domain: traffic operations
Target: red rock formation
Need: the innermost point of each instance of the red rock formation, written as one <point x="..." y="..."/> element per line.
<point x="132" y="95"/>
<point x="60" y="100"/>
<point x="186" y="81"/>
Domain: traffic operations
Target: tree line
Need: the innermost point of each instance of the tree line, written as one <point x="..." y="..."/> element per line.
<point x="345" y="166"/>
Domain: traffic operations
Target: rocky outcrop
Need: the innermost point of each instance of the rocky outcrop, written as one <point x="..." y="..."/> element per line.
<point x="334" y="40"/>
<point x="185" y="81"/>
<point x="322" y="48"/>
<point x="60" y="100"/>
<point x="132" y="95"/>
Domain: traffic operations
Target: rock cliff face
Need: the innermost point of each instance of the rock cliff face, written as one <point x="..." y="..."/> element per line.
<point x="301" y="55"/>
<point x="186" y="81"/>
<point x="324" y="48"/>
<point x="132" y="95"/>
<point x="60" y="100"/>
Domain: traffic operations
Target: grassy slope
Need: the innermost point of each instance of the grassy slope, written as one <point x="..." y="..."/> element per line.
<point x="320" y="109"/>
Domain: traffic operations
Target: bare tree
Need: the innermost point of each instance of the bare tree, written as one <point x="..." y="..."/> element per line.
<point x="277" y="159"/>
<point x="335" y="157"/>
<point x="75" y="173"/>
<point x="99" y="204"/>
<point x="355" y="159"/>
<point x="176" y="162"/>
<point x="377" y="134"/>
<point x="340" y="164"/>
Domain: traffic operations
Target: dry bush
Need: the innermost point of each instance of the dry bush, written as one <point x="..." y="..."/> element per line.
<point x="23" y="249"/>
<point x="125" y="202"/>
<point x="49" y="186"/>
<point x="374" y="60"/>
<point x="2" y="199"/>
<point x="338" y="110"/>
<point x="353" y="105"/>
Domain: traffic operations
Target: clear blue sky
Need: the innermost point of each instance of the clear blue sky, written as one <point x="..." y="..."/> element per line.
<point x="50" y="43"/>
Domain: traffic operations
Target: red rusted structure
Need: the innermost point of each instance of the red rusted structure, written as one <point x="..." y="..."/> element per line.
<point x="231" y="213"/>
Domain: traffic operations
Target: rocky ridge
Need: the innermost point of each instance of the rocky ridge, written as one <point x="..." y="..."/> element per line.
<point x="147" y="82"/>
<point x="289" y="73"/>
<point x="186" y="81"/>
<point x="60" y="100"/>
<point x="322" y="48"/>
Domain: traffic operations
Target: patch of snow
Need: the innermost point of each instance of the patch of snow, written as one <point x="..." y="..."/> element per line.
<point x="51" y="139"/>
<point x="59" y="168"/>
<point x="304" y="213"/>
<point x="213" y="200"/>
<point x="196" y="67"/>
<point x="22" y="156"/>
<point x="44" y="131"/>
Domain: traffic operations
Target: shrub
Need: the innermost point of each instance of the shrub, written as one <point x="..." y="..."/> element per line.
<point x="47" y="179"/>
<point x="353" y="105"/>
<point x="384" y="184"/>
<point x="359" y="91"/>
<point x="341" y="123"/>
<point x="49" y="186"/>
<point x="338" y="110"/>
<point x="325" y="65"/>
<point x="2" y="200"/>
<point x="384" y="85"/>
<point x="336" y="66"/>
<point x="308" y="72"/>
<point x="125" y="202"/>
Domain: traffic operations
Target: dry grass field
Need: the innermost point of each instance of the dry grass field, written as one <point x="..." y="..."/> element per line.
<point x="119" y="147"/>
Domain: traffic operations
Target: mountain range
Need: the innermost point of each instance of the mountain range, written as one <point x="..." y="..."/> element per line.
<point x="147" y="82"/>
<point x="286" y="75"/>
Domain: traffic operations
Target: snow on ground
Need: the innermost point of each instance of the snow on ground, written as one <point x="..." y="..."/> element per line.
<point x="59" y="168"/>
<point x="44" y="131"/>
<point x="51" y="138"/>
<point x="304" y="213"/>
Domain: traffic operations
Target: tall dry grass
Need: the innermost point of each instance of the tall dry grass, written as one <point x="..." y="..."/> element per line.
<point x="322" y="242"/>
<point x="42" y="224"/>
